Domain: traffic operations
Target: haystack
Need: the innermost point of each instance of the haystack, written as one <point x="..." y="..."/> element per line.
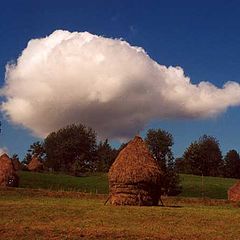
<point x="234" y="192"/>
<point x="134" y="177"/>
<point x="35" y="165"/>
<point x="8" y="176"/>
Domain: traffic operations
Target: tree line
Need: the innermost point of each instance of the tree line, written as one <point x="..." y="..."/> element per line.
<point x="75" y="150"/>
<point x="204" y="157"/>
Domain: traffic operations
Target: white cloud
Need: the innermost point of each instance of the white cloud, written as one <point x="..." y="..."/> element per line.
<point x="104" y="83"/>
<point x="3" y="150"/>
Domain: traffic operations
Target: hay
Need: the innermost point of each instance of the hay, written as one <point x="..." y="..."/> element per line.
<point x="134" y="177"/>
<point x="8" y="176"/>
<point x="234" y="192"/>
<point x="35" y="165"/>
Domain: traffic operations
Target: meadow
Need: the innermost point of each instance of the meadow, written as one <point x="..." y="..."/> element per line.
<point x="44" y="214"/>
<point x="57" y="206"/>
<point x="212" y="187"/>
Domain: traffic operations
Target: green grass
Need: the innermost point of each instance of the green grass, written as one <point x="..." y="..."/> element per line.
<point x="213" y="187"/>
<point x="26" y="215"/>
<point x="95" y="184"/>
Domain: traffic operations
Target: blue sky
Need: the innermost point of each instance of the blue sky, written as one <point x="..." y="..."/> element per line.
<point x="203" y="37"/>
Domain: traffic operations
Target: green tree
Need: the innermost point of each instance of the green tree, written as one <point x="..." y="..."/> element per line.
<point x="179" y="165"/>
<point x="37" y="149"/>
<point x="71" y="149"/>
<point x="191" y="159"/>
<point x="204" y="157"/>
<point x="232" y="164"/>
<point x="160" y="144"/>
<point x="106" y="156"/>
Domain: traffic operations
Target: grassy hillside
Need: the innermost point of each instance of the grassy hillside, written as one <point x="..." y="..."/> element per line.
<point x="97" y="183"/>
<point x="212" y="187"/>
<point x="27" y="215"/>
<point x="192" y="185"/>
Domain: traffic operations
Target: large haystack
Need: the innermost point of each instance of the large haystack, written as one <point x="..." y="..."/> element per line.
<point x="35" y="165"/>
<point x="8" y="176"/>
<point x="134" y="177"/>
<point x="234" y="192"/>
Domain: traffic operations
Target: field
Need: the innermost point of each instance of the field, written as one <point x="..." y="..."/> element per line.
<point x="43" y="214"/>
<point x="51" y="212"/>
<point x="192" y="185"/>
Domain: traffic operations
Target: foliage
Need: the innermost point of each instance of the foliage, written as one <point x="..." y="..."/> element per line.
<point x="37" y="149"/>
<point x="27" y="159"/>
<point x="160" y="145"/>
<point x="106" y="156"/>
<point x="232" y="164"/>
<point x="203" y="157"/>
<point x="71" y="149"/>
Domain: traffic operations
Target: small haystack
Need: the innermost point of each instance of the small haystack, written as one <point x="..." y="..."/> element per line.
<point x="234" y="192"/>
<point x="134" y="177"/>
<point x="35" y="165"/>
<point x="8" y="176"/>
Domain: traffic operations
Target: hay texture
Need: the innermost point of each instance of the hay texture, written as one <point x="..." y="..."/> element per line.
<point x="134" y="177"/>
<point x="8" y="176"/>
<point x="35" y="165"/>
<point x="234" y="192"/>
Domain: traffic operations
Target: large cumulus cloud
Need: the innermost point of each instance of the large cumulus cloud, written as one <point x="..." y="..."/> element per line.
<point x="104" y="83"/>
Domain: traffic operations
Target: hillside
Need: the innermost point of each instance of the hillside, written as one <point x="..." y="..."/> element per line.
<point x="213" y="187"/>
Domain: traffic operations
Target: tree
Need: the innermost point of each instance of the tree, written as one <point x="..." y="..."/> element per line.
<point x="204" y="157"/>
<point x="232" y="164"/>
<point x="27" y="159"/>
<point x="37" y="149"/>
<point x="179" y="165"/>
<point x="191" y="159"/>
<point x="71" y="149"/>
<point x="106" y="156"/>
<point x="160" y="144"/>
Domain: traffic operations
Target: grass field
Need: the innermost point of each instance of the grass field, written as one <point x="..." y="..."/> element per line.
<point x="54" y="206"/>
<point x="97" y="183"/>
<point x="43" y="214"/>
<point x="192" y="185"/>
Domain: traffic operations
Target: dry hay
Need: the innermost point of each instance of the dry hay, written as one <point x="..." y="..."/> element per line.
<point x="234" y="192"/>
<point x="8" y="176"/>
<point x="35" y="165"/>
<point x="134" y="177"/>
